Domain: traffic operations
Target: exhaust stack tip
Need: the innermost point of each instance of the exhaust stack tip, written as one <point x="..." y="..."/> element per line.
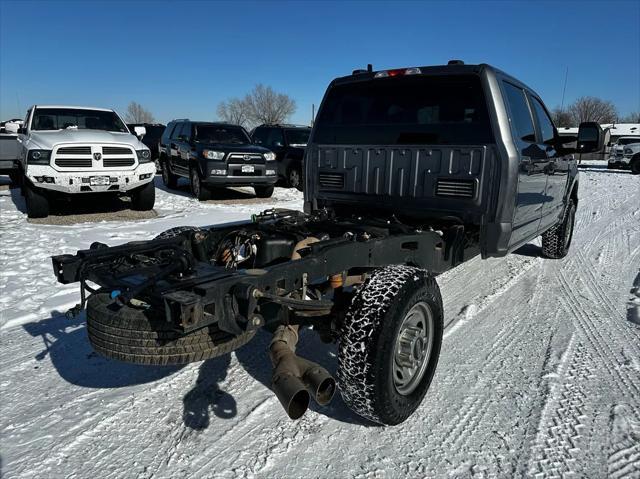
<point x="320" y="384"/>
<point x="292" y="394"/>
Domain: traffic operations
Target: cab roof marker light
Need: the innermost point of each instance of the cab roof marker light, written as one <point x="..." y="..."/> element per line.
<point x="397" y="72"/>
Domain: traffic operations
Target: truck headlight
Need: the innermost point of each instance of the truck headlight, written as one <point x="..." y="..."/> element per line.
<point x="628" y="151"/>
<point x="144" y="156"/>
<point x="271" y="172"/>
<point x="213" y="155"/>
<point x="271" y="156"/>
<point x="38" y="157"/>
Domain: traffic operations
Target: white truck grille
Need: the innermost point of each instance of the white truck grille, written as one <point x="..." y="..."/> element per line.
<point x="97" y="157"/>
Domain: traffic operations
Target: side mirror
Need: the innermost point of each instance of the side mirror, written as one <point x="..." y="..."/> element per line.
<point x="590" y="137"/>
<point x="139" y="131"/>
<point x="11" y="128"/>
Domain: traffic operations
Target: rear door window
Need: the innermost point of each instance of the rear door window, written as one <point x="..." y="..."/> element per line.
<point x="521" y="121"/>
<point x="420" y="109"/>
<point x="544" y="122"/>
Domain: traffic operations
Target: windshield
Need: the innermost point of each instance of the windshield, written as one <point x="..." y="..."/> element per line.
<point x="221" y="134"/>
<point x="61" y="118"/>
<point x="299" y="136"/>
<point x="434" y="110"/>
<point x="628" y="141"/>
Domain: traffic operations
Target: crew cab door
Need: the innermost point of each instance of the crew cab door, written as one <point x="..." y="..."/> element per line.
<point x="557" y="170"/>
<point x="532" y="167"/>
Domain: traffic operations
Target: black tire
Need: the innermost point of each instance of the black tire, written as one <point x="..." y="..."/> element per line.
<point x="366" y="351"/>
<point x="144" y="336"/>
<point x="176" y="231"/>
<point x="15" y="178"/>
<point x="294" y="178"/>
<point x="144" y="197"/>
<point x="168" y="178"/>
<point x="635" y="165"/>
<point x="37" y="200"/>
<point x="557" y="239"/>
<point x="263" y="191"/>
<point x="610" y="166"/>
<point x="198" y="189"/>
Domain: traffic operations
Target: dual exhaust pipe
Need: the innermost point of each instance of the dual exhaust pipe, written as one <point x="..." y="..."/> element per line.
<point x="296" y="380"/>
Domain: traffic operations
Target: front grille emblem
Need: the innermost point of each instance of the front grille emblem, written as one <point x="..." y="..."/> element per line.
<point x="97" y="156"/>
<point x="246" y="157"/>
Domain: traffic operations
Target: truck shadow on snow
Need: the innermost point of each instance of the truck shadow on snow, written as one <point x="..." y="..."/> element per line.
<point x="67" y="347"/>
<point x="84" y="204"/>
<point x="233" y="196"/>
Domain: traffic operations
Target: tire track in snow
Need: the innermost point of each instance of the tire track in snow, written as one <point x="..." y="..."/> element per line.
<point x="624" y="452"/>
<point x="556" y="448"/>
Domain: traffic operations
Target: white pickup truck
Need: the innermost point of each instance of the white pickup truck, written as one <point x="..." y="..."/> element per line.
<point x="625" y="154"/>
<point x="77" y="150"/>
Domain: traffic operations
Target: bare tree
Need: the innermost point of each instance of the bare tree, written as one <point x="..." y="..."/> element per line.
<point x="136" y="113"/>
<point x="633" y="117"/>
<point x="264" y="105"/>
<point x="234" y="111"/>
<point x="561" y="118"/>
<point x="589" y="108"/>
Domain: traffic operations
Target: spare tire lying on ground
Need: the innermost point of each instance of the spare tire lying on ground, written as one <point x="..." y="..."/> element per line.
<point x="142" y="336"/>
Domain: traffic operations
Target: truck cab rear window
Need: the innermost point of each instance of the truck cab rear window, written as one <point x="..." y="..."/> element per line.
<point x="411" y="110"/>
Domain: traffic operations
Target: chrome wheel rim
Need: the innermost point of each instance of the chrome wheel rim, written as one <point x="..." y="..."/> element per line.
<point x="412" y="350"/>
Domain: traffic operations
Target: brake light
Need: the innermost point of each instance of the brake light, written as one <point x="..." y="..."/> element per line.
<point x="397" y="72"/>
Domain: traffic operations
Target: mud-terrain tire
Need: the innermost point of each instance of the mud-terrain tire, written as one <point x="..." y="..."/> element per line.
<point x="198" y="188"/>
<point x="144" y="337"/>
<point x="367" y="351"/>
<point x="37" y="200"/>
<point x="176" y="231"/>
<point x="635" y="165"/>
<point x="557" y="239"/>
<point x="144" y="197"/>
<point x="168" y="178"/>
<point x="263" y="191"/>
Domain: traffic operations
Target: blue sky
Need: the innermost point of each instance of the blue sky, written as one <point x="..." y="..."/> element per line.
<point x="179" y="59"/>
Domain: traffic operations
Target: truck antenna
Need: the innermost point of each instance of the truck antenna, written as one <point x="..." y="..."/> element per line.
<point x="564" y="88"/>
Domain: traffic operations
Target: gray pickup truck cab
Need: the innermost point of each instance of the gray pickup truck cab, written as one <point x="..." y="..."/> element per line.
<point x="409" y="172"/>
<point x="9" y="149"/>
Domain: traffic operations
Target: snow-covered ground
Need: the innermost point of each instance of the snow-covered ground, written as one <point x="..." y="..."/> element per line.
<point x="539" y="374"/>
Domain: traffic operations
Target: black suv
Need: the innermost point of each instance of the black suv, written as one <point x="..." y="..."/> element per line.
<point x="151" y="138"/>
<point x="288" y="143"/>
<point x="215" y="155"/>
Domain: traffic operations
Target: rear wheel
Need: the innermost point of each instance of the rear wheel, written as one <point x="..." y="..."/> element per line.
<point x="168" y="178"/>
<point x="198" y="189"/>
<point x="37" y="200"/>
<point x="635" y="165"/>
<point x="557" y="239"/>
<point x="263" y="191"/>
<point x="143" y="336"/>
<point x="144" y="197"/>
<point x="390" y="343"/>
